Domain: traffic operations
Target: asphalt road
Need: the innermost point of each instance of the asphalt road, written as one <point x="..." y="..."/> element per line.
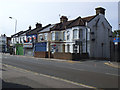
<point x="92" y="73"/>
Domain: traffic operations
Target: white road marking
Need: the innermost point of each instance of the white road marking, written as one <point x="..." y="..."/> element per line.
<point x="112" y="74"/>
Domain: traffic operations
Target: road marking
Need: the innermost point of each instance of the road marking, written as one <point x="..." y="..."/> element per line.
<point x="112" y="74"/>
<point x="53" y="77"/>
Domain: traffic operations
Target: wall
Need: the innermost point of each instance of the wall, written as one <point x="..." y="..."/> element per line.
<point x="100" y="27"/>
<point x="70" y="56"/>
<point x="41" y="54"/>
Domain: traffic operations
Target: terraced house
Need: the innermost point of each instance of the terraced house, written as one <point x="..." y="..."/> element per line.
<point x="82" y="37"/>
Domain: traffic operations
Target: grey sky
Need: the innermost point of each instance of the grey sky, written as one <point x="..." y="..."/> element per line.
<point x="29" y="12"/>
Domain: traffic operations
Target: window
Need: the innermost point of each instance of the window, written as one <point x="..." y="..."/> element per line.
<point x="20" y="40"/>
<point x="68" y="48"/>
<point x="13" y="40"/>
<point x="41" y="38"/>
<point x="45" y="36"/>
<point x="88" y="34"/>
<point x="53" y="36"/>
<point x="75" y="34"/>
<point x="68" y="35"/>
<point x="64" y="35"/>
<point x="56" y="36"/>
<point x="23" y="38"/>
<point x="81" y="34"/>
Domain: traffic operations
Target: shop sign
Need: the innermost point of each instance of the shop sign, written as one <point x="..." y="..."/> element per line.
<point x="28" y="45"/>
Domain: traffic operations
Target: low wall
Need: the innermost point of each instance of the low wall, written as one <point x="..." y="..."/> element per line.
<point x="70" y="56"/>
<point x="59" y="55"/>
<point x="41" y="54"/>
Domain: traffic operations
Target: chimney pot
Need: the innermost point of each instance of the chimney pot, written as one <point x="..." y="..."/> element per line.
<point x="29" y="27"/>
<point x="100" y="10"/>
<point x="63" y="19"/>
<point x="38" y="25"/>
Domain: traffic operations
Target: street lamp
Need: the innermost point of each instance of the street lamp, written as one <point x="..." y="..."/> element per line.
<point x="15" y="23"/>
<point x="15" y="30"/>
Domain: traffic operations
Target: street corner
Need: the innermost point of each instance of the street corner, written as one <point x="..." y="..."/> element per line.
<point x="112" y="64"/>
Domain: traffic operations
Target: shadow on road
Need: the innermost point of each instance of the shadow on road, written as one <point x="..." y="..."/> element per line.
<point x="8" y="85"/>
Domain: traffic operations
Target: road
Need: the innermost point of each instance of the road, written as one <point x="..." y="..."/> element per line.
<point x="91" y="73"/>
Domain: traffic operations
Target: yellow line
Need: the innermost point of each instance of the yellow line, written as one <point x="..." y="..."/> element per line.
<point x="68" y="81"/>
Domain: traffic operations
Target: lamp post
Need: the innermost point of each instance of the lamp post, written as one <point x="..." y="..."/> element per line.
<point x="15" y="23"/>
<point x="15" y="31"/>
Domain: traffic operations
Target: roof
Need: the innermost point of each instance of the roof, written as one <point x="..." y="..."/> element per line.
<point x="89" y="18"/>
<point x="17" y="34"/>
<point x="61" y="26"/>
<point x="72" y="23"/>
<point x="33" y="31"/>
<point x="45" y="28"/>
<point x="77" y="22"/>
<point x="21" y="32"/>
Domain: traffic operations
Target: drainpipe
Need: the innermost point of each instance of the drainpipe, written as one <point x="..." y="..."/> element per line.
<point x="49" y="49"/>
<point x="86" y="36"/>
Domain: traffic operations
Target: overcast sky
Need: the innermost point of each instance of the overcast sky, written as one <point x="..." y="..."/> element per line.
<point x="29" y="12"/>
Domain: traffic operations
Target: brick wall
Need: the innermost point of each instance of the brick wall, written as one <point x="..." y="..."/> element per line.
<point x="70" y="56"/>
<point x="41" y="54"/>
<point x="59" y="55"/>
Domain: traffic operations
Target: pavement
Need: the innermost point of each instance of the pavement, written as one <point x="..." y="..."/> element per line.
<point x="113" y="64"/>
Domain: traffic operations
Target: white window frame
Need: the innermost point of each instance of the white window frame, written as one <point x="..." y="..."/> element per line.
<point x="64" y="36"/>
<point x="56" y="36"/>
<point x="45" y="34"/>
<point x="75" y="34"/>
<point x="53" y="36"/>
<point x="68" y="35"/>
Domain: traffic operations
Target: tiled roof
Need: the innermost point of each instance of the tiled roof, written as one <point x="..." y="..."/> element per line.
<point x="61" y="26"/>
<point x="33" y="31"/>
<point x="89" y="18"/>
<point x="43" y="29"/>
<point x="17" y="34"/>
<point x="68" y="24"/>
<point x="77" y="22"/>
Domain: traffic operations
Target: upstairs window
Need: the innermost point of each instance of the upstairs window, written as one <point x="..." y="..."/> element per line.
<point x="53" y="36"/>
<point x="64" y="35"/>
<point x="75" y="34"/>
<point x="68" y="35"/>
<point x="41" y="37"/>
<point x="57" y="36"/>
<point x="81" y="34"/>
<point x="45" y="36"/>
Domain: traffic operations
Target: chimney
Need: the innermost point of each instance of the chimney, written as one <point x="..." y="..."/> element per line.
<point x="100" y="10"/>
<point x="4" y="35"/>
<point x="29" y="27"/>
<point x="38" y="25"/>
<point x="63" y="19"/>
